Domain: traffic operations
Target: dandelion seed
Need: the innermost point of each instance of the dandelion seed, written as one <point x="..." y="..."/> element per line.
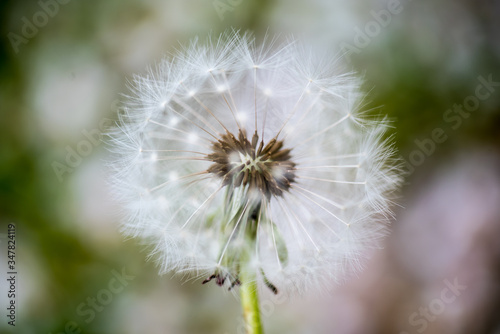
<point x="264" y="159"/>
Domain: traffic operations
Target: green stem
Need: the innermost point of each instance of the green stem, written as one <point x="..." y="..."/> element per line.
<point x="250" y="303"/>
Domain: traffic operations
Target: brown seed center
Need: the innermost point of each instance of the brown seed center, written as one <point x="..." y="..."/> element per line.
<point x="240" y="162"/>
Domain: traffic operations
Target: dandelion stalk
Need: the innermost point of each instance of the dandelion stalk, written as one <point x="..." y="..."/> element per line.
<point x="249" y="293"/>
<point x="250" y="303"/>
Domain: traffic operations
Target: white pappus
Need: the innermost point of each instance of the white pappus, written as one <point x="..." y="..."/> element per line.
<point x="233" y="155"/>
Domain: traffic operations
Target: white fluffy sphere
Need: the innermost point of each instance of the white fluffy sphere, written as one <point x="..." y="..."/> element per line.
<point x="234" y="154"/>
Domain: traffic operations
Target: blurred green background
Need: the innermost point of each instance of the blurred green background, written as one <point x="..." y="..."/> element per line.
<point x="63" y="66"/>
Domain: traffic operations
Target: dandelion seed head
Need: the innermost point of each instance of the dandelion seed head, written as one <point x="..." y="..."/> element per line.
<point x="235" y="153"/>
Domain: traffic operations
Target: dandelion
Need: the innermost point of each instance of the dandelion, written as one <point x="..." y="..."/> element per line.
<point x="249" y="165"/>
